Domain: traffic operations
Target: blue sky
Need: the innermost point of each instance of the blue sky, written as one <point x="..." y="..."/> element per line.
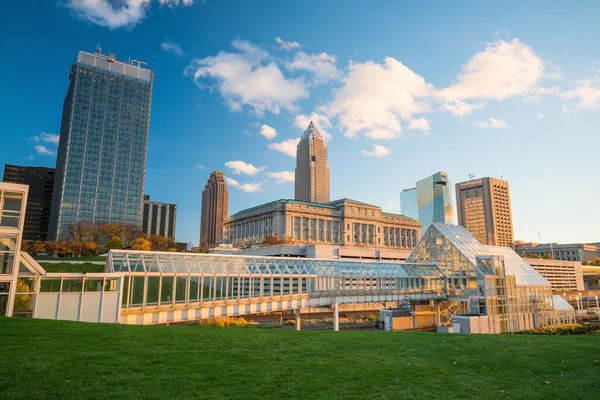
<point x="405" y="90"/>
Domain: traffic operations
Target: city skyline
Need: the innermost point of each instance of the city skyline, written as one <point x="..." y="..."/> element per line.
<point x="518" y="129"/>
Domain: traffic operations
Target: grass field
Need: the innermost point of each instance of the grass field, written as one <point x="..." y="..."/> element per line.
<point x="81" y="259"/>
<point x="64" y="360"/>
<point x="69" y="267"/>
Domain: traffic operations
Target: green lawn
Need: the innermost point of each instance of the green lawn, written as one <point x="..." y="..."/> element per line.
<point x="61" y="360"/>
<point x="69" y="267"/>
<point x="82" y="259"/>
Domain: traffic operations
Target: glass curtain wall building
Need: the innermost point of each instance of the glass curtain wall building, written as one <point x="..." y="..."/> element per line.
<point x="101" y="162"/>
<point x="491" y="281"/>
<point x="434" y="200"/>
<point x="408" y="203"/>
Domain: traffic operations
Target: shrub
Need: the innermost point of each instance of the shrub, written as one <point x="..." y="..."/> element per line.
<point x="565" y="330"/>
<point x="225" y="322"/>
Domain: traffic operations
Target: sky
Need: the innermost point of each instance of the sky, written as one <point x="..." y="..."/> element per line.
<point x="400" y="89"/>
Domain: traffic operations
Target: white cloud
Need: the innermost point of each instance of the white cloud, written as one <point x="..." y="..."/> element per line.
<point x="44" y="150"/>
<point x="247" y="78"/>
<point x="375" y="98"/>
<point x="200" y="166"/>
<point x="286" y="147"/>
<point x="282" y="176"/>
<point x="587" y="94"/>
<point x="125" y="13"/>
<point x="29" y="157"/>
<point x="461" y="108"/>
<point x="46" y="137"/>
<point x="171" y="47"/>
<point x="378" y="151"/>
<point x="540" y="115"/>
<point x="268" y="132"/>
<point x="390" y="205"/>
<point x="502" y="70"/>
<point x="244" y="187"/>
<point x="321" y="121"/>
<point x="494" y="124"/>
<point x="240" y="167"/>
<point x="287" y="46"/>
<point x="420" y="123"/>
<point x="321" y="65"/>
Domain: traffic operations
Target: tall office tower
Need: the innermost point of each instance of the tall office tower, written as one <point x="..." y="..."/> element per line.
<point x="101" y="163"/>
<point x="312" y="169"/>
<point x="434" y="199"/>
<point x="159" y="218"/>
<point x="215" y="199"/>
<point x="484" y="210"/>
<point x="40" y="181"/>
<point x="408" y="203"/>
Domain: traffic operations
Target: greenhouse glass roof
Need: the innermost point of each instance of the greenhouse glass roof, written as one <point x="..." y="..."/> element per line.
<point x="470" y="248"/>
<point x="561" y="304"/>
<point x="185" y="263"/>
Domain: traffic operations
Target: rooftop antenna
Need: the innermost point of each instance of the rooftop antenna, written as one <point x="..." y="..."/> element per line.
<point x="139" y="63"/>
<point x="471" y="176"/>
<point x="98" y="49"/>
<point x="539" y="237"/>
<point x="501" y="176"/>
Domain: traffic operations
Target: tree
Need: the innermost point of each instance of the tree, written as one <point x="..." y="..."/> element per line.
<point x="142" y="244"/>
<point x="130" y="234"/>
<point x="90" y="248"/>
<point x="76" y="249"/>
<point x="596" y="262"/>
<point x="270" y="240"/>
<point x="161" y="243"/>
<point x="547" y="256"/>
<point x="534" y="255"/>
<point x="51" y="247"/>
<point x="115" y="243"/>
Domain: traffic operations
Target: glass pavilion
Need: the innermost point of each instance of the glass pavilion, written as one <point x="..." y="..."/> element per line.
<point x="489" y="280"/>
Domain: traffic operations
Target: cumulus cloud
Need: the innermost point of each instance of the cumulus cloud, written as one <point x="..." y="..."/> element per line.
<point x="502" y="70"/>
<point x="378" y="151"/>
<point x="171" y="47"/>
<point x="287" y="46"/>
<point x="40" y="149"/>
<point x="321" y="121"/>
<point x="247" y="77"/>
<point x="240" y="167"/>
<point x="587" y="94"/>
<point x="113" y="15"/>
<point x="46" y="137"/>
<point x="282" y="176"/>
<point x="244" y="187"/>
<point x="321" y="65"/>
<point x="268" y="132"/>
<point x="286" y="147"/>
<point x="494" y="124"/>
<point x="375" y="98"/>
<point x="461" y="108"/>
<point x="419" y="124"/>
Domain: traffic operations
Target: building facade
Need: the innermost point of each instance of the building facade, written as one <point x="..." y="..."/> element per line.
<point x="340" y="229"/>
<point x="562" y="275"/>
<point x="581" y="252"/>
<point x="41" y="182"/>
<point x="215" y="201"/>
<point x="408" y="203"/>
<point x="312" y="168"/>
<point x="434" y="200"/>
<point x="159" y="218"/>
<point x="483" y="208"/>
<point x="13" y="200"/>
<point x="101" y="162"/>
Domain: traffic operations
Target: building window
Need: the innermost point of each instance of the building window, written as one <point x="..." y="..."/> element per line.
<point x="328" y="231"/>
<point x="386" y="240"/>
<point x="305" y="228"/>
<point x="371" y="234"/>
<point x="313" y="229"/>
<point x="336" y="232"/>
<point x="321" y="233"/>
<point x="356" y="232"/>
<point x="296" y="228"/>
<point x="363" y="233"/>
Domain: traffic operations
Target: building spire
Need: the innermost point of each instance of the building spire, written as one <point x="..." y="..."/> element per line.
<point x="312" y="130"/>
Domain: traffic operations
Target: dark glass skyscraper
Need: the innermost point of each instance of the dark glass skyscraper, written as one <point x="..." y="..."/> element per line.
<point x="40" y="181"/>
<point x="101" y="163"/>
